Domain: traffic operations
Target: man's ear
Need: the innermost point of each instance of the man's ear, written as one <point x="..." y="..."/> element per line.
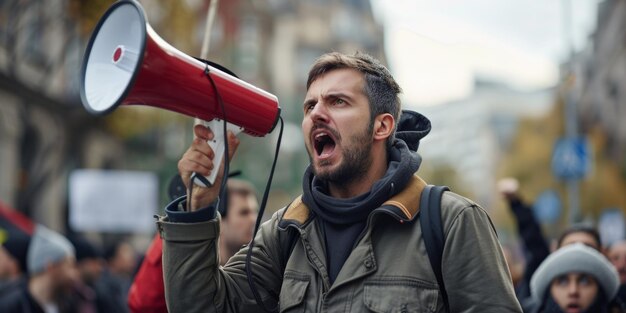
<point x="383" y="126"/>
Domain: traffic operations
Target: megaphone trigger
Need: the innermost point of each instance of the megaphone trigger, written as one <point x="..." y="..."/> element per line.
<point x="217" y="144"/>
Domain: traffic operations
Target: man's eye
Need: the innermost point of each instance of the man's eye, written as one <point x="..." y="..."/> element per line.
<point x="339" y="101"/>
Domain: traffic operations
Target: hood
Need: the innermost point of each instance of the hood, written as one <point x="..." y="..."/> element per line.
<point x="412" y="127"/>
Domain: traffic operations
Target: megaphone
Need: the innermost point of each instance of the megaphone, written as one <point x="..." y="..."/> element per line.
<point x="127" y="63"/>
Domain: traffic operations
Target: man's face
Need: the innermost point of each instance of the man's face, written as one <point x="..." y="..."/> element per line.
<point x="125" y="259"/>
<point x="574" y="292"/>
<point x="90" y="269"/>
<point x="238" y="226"/>
<point x="336" y="126"/>
<point x="617" y="255"/>
<point x="64" y="275"/>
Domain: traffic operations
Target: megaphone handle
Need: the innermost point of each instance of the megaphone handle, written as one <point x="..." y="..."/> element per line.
<point x="217" y="144"/>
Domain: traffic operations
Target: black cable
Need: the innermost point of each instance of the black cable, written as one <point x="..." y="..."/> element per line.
<point x="257" y="297"/>
<point x="203" y="179"/>
<point x="255" y="292"/>
<point x="222" y="195"/>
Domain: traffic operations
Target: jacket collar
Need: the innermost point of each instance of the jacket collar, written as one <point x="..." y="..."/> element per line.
<point x="404" y="206"/>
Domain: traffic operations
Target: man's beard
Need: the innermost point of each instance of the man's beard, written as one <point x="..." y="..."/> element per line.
<point x="356" y="160"/>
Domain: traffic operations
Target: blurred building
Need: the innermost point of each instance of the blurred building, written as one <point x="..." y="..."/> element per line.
<point x="600" y="73"/>
<point x="45" y="133"/>
<point x="43" y="129"/>
<point x="472" y="135"/>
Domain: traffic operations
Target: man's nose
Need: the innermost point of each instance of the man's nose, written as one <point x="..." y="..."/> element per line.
<point x="319" y="112"/>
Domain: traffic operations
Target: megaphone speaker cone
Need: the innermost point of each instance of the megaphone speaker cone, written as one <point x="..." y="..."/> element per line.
<point x="113" y="57"/>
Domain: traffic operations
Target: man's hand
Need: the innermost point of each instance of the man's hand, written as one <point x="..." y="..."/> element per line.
<point x="199" y="159"/>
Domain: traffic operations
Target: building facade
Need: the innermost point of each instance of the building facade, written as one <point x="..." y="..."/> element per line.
<point x="600" y="73"/>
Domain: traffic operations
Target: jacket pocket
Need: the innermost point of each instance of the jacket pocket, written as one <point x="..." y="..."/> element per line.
<point x="293" y="292"/>
<point x="400" y="295"/>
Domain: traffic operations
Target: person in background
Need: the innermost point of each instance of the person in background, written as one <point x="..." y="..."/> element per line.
<point x="535" y="247"/>
<point x="616" y="253"/>
<point x="90" y="265"/>
<point x="52" y="275"/>
<point x="575" y="279"/>
<point x="147" y="293"/>
<point x="237" y="223"/>
<point x="113" y="286"/>
<point x="14" y="245"/>
<point x="16" y="231"/>
<point x="10" y="271"/>
<point x="580" y="233"/>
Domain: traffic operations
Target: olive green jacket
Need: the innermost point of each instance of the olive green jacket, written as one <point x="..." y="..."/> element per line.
<point x="387" y="271"/>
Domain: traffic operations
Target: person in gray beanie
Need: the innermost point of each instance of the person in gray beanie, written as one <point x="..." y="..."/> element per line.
<point x="575" y="279"/>
<point x="52" y="274"/>
<point x="47" y="247"/>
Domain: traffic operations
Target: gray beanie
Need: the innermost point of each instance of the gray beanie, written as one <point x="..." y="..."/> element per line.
<point x="47" y="247"/>
<point x="574" y="258"/>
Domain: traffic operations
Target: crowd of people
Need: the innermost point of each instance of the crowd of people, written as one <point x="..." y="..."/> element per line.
<point x="350" y="243"/>
<point x="579" y="275"/>
<point x="43" y="271"/>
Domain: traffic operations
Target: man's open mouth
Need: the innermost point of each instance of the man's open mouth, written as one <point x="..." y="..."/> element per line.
<point x="323" y="143"/>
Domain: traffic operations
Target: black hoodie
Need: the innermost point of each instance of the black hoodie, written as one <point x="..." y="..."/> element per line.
<point x="343" y="220"/>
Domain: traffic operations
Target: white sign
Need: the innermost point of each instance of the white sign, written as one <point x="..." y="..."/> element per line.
<point x="113" y="201"/>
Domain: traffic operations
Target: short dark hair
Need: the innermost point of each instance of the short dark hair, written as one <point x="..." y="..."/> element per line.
<point x="381" y="88"/>
<point x="580" y="228"/>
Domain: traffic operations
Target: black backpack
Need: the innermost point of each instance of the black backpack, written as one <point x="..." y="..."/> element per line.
<point x="432" y="232"/>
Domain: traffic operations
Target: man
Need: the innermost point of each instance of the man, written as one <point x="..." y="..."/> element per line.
<point x="617" y="255"/>
<point x="237" y="222"/>
<point x="116" y="278"/>
<point x="582" y="233"/>
<point x="236" y="226"/>
<point x="529" y="230"/>
<point x="52" y="275"/>
<point x="14" y="242"/>
<point x="90" y="264"/>
<point x="352" y="242"/>
<point x="16" y="230"/>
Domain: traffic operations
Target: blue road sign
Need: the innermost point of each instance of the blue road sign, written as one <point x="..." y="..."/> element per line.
<point x="571" y="159"/>
<point x="547" y="207"/>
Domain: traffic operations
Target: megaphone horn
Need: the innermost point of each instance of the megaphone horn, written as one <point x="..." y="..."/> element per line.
<point x="127" y="63"/>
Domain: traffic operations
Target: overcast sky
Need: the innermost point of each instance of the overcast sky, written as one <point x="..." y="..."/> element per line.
<point x="435" y="48"/>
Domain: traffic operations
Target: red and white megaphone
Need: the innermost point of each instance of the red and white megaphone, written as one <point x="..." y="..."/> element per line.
<point x="126" y="62"/>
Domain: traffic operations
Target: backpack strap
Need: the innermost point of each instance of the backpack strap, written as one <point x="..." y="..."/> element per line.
<point x="432" y="232"/>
